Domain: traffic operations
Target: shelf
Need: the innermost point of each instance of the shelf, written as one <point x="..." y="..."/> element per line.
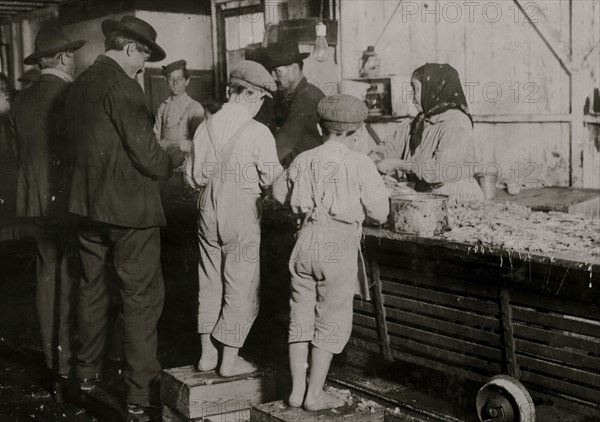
<point x="369" y="79"/>
<point x="384" y="119"/>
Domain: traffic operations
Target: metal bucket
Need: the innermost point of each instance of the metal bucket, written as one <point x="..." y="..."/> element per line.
<point x="422" y="214"/>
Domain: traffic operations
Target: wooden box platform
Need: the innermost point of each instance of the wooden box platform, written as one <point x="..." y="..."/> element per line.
<point x="170" y="415"/>
<point x="356" y="411"/>
<point x="195" y="395"/>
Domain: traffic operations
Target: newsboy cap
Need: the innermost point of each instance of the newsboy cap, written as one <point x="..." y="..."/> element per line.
<point x="253" y="75"/>
<point x="179" y="64"/>
<point x="341" y="112"/>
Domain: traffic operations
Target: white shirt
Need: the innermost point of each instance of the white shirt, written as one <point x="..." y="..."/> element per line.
<point x="254" y="158"/>
<point x="59" y="73"/>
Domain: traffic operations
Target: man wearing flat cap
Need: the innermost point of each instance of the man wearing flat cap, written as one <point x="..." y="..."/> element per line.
<point x="234" y="160"/>
<point x="298" y="129"/>
<point x="333" y="189"/>
<point x="117" y="165"/>
<point x="38" y="114"/>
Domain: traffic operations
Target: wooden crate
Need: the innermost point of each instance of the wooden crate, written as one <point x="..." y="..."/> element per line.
<point x="278" y="411"/>
<point x="197" y="395"/>
<point x="171" y="415"/>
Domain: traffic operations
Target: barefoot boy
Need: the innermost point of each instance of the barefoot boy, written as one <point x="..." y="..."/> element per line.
<point x="234" y="160"/>
<point x="333" y="188"/>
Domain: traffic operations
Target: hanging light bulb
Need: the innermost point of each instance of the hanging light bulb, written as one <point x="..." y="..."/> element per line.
<point x="321" y="50"/>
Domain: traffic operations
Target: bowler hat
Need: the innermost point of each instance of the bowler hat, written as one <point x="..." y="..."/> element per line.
<point x="252" y="75"/>
<point x="51" y="40"/>
<point x="283" y="54"/>
<point x="137" y="29"/>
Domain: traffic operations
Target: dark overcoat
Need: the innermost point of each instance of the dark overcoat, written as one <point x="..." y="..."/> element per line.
<point x="117" y="161"/>
<point x="38" y="116"/>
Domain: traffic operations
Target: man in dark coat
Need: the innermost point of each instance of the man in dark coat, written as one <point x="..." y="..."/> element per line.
<point x="38" y="115"/>
<point x="117" y="165"/>
<point x="298" y="129"/>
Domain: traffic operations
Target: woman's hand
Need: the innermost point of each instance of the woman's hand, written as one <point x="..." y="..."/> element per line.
<point x="388" y="165"/>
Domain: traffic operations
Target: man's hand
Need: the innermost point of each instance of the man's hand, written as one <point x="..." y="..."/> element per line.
<point x="177" y="157"/>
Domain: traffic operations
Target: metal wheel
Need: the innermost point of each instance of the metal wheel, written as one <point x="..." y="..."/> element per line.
<point x="504" y="399"/>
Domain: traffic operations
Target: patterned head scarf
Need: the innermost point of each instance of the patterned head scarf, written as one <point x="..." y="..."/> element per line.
<point x="441" y="90"/>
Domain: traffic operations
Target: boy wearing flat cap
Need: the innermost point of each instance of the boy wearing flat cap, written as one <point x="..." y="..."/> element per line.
<point x="333" y="189"/>
<point x="233" y="161"/>
<point x="179" y="115"/>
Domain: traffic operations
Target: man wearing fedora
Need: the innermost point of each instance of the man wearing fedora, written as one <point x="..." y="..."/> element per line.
<point x="298" y="130"/>
<point x="117" y="165"/>
<point x="38" y="114"/>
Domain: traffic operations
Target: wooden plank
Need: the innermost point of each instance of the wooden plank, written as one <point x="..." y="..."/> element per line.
<point x="199" y="394"/>
<point x="555" y="338"/>
<point x="553" y="198"/>
<point x="556" y="370"/>
<point x="171" y="415"/>
<point x="440" y="282"/>
<point x="367" y="333"/>
<point x="444" y="313"/>
<point x="449" y="299"/>
<point x="439" y="365"/>
<point x="278" y="411"/>
<point x="380" y="307"/>
<point x="522" y="118"/>
<point x="435" y="339"/>
<point x="363" y="344"/>
<point x="364" y="321"/>
<point x="548" y="36"/>
<point x="364" y="307"/>
<point x="553" y="304"/>
<point x="460" y="360"/>
<point x="566" y="388"/>
<point x="508" y="338"/>
<point x="555" y="321"/>
<point x="445" y="327"/>
<point x="577" y="359"/>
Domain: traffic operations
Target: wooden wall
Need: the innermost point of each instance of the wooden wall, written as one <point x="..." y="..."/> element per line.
<point x="528" y="106"/>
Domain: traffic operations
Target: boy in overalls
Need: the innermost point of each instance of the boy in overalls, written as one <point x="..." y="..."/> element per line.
<point x="233" y="160"/>
<point x="333" y="188"/>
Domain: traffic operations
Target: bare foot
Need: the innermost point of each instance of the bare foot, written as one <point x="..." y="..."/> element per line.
<point x="207" y="364"/>
<point x="322" y="401"/>
<point x="238" y="366"/>
<point x="296" y="398"/>
<point x="208" y="360"/>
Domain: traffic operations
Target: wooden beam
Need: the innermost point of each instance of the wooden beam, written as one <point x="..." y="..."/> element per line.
<point x="548" y="36"/>
<point x="380" y="308"/>
<point x="522" y="118"/>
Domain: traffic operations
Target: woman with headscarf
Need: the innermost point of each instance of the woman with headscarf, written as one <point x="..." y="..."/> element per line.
<point x="436" y="149"/>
